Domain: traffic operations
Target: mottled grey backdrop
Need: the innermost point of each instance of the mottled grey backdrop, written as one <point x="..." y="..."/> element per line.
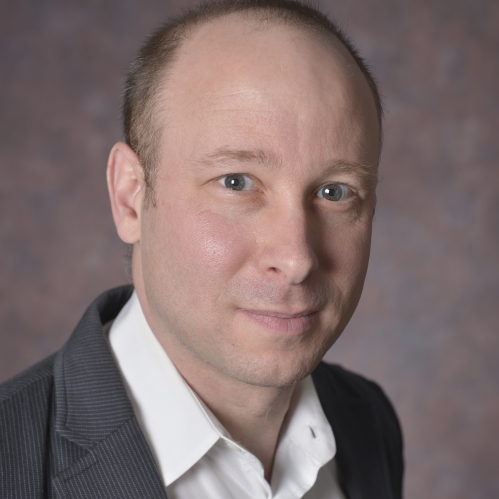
<point x="427" y="325"/>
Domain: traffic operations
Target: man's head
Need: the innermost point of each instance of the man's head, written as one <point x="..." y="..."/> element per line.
<point x="251" y="260"/>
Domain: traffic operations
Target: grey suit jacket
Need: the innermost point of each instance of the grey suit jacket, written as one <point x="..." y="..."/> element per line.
<point x="68" y="430"/>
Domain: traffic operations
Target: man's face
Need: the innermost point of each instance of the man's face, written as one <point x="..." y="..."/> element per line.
<point x="254" y="257"/>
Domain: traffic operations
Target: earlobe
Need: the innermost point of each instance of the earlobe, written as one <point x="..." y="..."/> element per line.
<point x="125" y="185"/>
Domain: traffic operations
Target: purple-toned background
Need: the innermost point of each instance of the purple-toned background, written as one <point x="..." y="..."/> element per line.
<point x="427" y="325"/>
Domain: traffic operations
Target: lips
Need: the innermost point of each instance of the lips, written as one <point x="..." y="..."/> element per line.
<point x="292" y="324"/>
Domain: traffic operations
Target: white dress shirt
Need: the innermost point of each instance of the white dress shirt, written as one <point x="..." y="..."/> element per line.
<point x="195" y="455"/>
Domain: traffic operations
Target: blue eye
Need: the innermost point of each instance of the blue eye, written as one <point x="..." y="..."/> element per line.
<point x="334" y="192"/>
<point x="237" y="182"/>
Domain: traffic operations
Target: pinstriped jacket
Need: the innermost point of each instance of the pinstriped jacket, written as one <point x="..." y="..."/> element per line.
<point x="68" y="429"/>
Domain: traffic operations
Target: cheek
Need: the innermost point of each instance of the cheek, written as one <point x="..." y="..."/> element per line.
<point x="207" y="247"/>
<point x="347" y="248"/>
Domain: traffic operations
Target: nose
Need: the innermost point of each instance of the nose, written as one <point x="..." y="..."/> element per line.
<point x="288" y="247"/>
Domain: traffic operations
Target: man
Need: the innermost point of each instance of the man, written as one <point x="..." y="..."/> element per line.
<point x="247" y="190"/>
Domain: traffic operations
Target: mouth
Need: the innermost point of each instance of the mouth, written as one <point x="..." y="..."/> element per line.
<point x="291" y="324"/>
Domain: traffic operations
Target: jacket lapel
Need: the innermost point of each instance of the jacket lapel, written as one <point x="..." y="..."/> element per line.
<point x="119" y="467"/>
<point x="99" y="448"/>
<point x="361" y="463"/>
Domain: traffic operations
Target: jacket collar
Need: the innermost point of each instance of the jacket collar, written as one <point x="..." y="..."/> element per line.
<point x="91" y="399"/>
<point x="361" y="465"/>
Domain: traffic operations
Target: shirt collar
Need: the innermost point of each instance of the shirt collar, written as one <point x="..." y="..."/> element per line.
<point x="306" y="425"/>
<point x="175" y="424"/>
<point x="307" y="442"/>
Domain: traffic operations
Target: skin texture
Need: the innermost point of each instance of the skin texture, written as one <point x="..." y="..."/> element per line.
<point x="221" y="274"/>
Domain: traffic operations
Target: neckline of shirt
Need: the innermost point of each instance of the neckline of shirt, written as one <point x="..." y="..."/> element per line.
<point x="179" y="428"/>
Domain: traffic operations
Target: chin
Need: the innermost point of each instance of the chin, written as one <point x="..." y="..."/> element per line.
<point x="275" y="370"/>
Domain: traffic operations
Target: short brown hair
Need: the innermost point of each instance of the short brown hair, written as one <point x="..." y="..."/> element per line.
<point x="158" y="53"/>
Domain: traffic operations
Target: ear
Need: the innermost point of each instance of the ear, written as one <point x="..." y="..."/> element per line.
<point x="125" y="182"/>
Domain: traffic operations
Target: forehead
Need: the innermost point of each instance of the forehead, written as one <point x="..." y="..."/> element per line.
<point x="239" y="69"/>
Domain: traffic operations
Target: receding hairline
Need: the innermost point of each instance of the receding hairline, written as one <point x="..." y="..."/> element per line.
<point x="260" y="19"/>
<point x="252" y="18"/>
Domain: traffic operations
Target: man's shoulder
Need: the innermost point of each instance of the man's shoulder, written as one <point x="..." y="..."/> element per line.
<point x="25" y="405"/>
<point x="366" y="429"/>
<point x="348" y="384"/>
<point x="35" y="385"/>
<point x="335" y="383"/>
<point x="36" y="380"/>
<point x="25" y="416"/>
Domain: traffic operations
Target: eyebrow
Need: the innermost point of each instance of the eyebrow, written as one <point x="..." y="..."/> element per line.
<point x="368" y="174"/>
<point x="226" y="155"/>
